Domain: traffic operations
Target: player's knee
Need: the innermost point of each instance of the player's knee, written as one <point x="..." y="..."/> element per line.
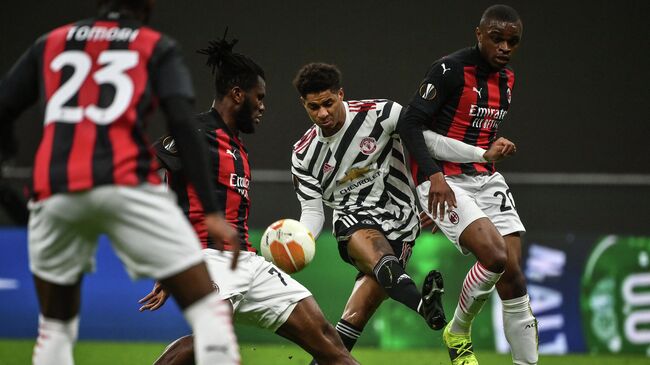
<point x="515" y="278"/>
<point x="497" y="259"/>
<point x="389" y="272"/>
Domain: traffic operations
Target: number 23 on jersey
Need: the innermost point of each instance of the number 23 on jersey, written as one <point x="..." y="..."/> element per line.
<point x="114" y="64"/>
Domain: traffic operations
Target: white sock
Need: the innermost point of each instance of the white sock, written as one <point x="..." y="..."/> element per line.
<point x="214" y="338"/>
<point x="520" y="327"/>
<point x="478" y="285"/>
<point x="55" y="341"/>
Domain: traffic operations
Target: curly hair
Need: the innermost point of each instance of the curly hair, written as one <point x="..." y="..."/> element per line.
<point x="316" y="77"/>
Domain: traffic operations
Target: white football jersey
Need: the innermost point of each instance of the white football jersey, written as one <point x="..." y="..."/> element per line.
<point x="360" y="170"/>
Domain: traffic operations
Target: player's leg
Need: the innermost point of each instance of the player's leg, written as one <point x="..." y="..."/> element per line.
<point x="308" y="328"/>
<point x="179" y="352"/>
<point x="520" y="325"/>
<point x="497" y="201"/>
<point x="61" y="248"/>
<point x="370" y="252"/>
<point x="470" y="229"/>
<point x="153" y="239"/>
<point x="365" y="299"/>
<point x="58" y="323"/>
<point x="483" y="240"/>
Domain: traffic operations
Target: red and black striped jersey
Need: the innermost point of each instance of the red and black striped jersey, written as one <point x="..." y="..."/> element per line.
<point x="96" y="79"/>
<point x="231" y="175"/>
<point x="464" y="98"/>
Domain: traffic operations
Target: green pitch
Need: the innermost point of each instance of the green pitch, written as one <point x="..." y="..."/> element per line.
<point x="13" y="352"/>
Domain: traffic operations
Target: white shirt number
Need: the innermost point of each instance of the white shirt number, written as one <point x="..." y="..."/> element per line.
<point x="115" y="62"/>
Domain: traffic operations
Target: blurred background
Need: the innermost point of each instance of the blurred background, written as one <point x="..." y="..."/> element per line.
<point x="581" y="178"/>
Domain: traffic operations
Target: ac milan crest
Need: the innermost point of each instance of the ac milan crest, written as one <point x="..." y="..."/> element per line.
<point x="453" y="217"/>
<point x="368" y="145"/>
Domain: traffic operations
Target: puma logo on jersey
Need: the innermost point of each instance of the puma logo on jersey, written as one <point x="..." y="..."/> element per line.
<point x="445" y="69"/>
<point x="232" y="153"/>
<point x="478" y="91"/>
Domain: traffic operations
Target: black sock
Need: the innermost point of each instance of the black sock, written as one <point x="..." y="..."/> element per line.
<point x="349" y="335"/>
<point x="398" y="285"/>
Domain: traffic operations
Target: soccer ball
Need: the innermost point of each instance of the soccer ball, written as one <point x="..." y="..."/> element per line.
<point x="289" y="245"/>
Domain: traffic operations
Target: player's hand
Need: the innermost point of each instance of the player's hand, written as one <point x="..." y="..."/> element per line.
<point x="500" y="149"/>
<point x="441" y="196"/>
<point x="155" y="299"/>
<point x="425" y="221"/>
<point x="223" y="233"/>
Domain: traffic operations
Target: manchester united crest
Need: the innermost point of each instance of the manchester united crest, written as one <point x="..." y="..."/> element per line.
<point x="368" y="145"/>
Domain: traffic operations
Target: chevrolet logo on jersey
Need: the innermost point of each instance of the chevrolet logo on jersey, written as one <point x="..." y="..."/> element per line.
<point x="353" y="174"/>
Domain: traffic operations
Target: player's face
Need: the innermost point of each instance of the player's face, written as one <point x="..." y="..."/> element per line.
<point x="498" y="41"/>
<point x="326" y="110"/>
<point x="252" y="108"/>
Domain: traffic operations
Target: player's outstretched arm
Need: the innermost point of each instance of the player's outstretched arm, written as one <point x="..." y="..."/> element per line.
<point x="441" y="197"/>
<point x="500" y="149"/>
<point x="449" y="149"/>
<point x="312" y="216"/>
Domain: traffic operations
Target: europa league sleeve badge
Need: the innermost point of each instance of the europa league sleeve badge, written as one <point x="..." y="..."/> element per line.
<point x="427" y="91"/>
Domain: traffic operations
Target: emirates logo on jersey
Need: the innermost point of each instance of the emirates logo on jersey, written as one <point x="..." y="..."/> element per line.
<point x="368" y="145"/>
<point x="453" y="217"/>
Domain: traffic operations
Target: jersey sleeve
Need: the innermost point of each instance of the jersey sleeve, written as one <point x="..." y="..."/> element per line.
<point x="307" y="187"/>
<point x="440" y="81"/>
<point x="391" y="112"/>
<point x="449" y="149"/>
<point x="170" y="75"/>
<point x="18" y="90"/>
<point x="443" y="79"/>
<point x="165" y="150"/>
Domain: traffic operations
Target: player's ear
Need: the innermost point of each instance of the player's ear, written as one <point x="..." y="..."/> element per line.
<point x="341" y="94"/>
<point x="237" y="94"/>
<point x="478" y="34"/>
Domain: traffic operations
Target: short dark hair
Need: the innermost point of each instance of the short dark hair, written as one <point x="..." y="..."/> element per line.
<point x="500" y="12"/>
<point x="230" y="69"/>
<point x="316" y="77"/>
<point x="142" y="7"/>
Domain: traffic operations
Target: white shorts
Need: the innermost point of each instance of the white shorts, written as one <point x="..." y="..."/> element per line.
<point x="477" y="197"/>
<point x="261" y="294"/>
<point x="145" y="226"/>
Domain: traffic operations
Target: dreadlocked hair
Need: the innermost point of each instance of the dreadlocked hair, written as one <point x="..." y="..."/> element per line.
<point x="230" y="69"/>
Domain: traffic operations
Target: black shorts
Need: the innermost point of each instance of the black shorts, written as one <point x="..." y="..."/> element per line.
<point x="346" y="225"/>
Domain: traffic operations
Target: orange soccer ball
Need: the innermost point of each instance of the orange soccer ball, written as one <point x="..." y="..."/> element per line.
<point x="289" y="245"/>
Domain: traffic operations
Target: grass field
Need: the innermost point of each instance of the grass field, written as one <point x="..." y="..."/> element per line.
<point x="18" y="352"/>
